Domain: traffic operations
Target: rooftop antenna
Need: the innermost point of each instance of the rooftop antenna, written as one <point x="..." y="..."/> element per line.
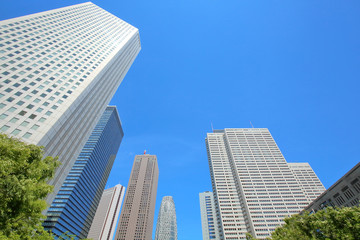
<point x="212" y="128"/>
<point x="251" y="125"/>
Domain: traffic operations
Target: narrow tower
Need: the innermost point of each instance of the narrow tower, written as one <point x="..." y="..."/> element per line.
<point x="137" y="214"/>
<point x="166" y="227"/>
<point x="107" y="214"/>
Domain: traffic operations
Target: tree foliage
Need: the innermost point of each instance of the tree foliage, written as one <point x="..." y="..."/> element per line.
<point x="23" y="186"/>
<point x="327" y="224"/>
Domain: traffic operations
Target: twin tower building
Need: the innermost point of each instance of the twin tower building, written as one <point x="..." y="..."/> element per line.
<point x="59" y="71"/>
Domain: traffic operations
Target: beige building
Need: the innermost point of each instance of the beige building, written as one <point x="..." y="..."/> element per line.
<point x="137" y="215"/>
<point x="107" y="214"/>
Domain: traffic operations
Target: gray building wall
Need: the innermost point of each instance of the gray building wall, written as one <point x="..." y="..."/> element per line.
<point x="344" y="193"/>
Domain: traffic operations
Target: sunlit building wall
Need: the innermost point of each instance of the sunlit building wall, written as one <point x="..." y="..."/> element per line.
<point x="59" y="70"/>
<point x="137" y="214"/>
<point x="106" y="216"/>
<point x="253" y="185"/>
<point x="209" y="219"/>
<point x="307" y="179"/>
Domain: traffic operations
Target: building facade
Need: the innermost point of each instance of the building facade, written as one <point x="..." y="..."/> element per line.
<point x="307" y="179"/>
<point x="59" y="70"/>
<point x="253" y="185"/>
<point x="106" y="216"/>
<point x="344" y="193"/>
<point x="209" y="218"/>
<point x="166" y="226"/>
<point x="137" y="214"/>
<point x="74" y="206"/>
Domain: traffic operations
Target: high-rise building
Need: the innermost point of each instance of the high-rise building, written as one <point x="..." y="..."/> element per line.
<point x="74" y="206"/>
<point x="137" y="214"/>
<point x="166" y="226"/>
<point x="344" y="193"/>
<point x="307" y="179"/>
<point x="209" y="219"/>
<point x="59" y="70"/>
<point x="253" y="185"/>
<point x="106" y="216"/>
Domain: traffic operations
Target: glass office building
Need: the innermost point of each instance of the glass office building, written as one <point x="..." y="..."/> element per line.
<point x="75" y="204"/>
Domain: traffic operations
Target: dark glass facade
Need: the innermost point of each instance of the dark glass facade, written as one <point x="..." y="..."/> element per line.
<point x="75" y="205"/>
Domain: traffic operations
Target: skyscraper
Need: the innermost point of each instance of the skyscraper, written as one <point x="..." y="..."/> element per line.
<point x="166" y="227"/>
<point x="137" y="214"/>
<point x="307" y="179"/>
<point x="59" y="70"/>
<point x="75" y="204"/>
<point x="253" y="185"/>
<point x="107" y="213"/>
<point x="209" y="219"/>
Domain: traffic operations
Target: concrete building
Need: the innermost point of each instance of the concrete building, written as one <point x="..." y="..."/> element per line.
<point x="209" y="218"/>
<point x="74" y="206"/>
<point x="166" y="226"/>
<point x="344" y="193"/>
<point x="307" y="179"/>
<point x="59" y="70"/>
<point x="106" y="216"/>
<point x="253" y="185"/>
<point x="137" y="214"/>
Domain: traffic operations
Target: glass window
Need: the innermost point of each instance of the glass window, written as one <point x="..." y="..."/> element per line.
<point x="16" y="132"/>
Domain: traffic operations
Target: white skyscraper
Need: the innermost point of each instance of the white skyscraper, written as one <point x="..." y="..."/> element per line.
<point x="166" y="227"/>
<point x="209" y="220"/>
<point x="59" y="70"/>
<point x="106" y="216"/>
<point x="307" y="179"/>
<point x="254" y="187"/>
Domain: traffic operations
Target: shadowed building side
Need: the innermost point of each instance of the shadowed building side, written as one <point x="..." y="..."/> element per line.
<point x="74" y="206"/>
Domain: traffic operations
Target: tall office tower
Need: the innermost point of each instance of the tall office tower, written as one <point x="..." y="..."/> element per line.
<point x="137" y="213"/>
<point x="166" y="227"/>
<point x="307" y="179"/>
<point x="254" y="188"/>
<point x="107" y="214"/>
<point x="75" y="204"/>
<point x="59" y="70"/>
<point x="209" y="219"/>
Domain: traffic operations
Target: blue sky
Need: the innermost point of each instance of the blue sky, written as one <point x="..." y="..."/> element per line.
<point x="290" y="66"/>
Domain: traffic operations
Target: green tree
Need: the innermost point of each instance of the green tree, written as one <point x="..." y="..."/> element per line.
<point x="327" y="224"/>
<point x="23" y="186"/>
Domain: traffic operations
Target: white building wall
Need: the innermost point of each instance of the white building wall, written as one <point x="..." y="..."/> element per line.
<point x="308" y="180"/>
<point x="104" y="224"/>
<point x="59" y="70"/>
<point x="209" y="220"/>
<point x="253" y="186"/>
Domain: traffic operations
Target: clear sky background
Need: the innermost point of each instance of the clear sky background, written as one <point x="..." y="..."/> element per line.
<point x="290" y="66"/>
